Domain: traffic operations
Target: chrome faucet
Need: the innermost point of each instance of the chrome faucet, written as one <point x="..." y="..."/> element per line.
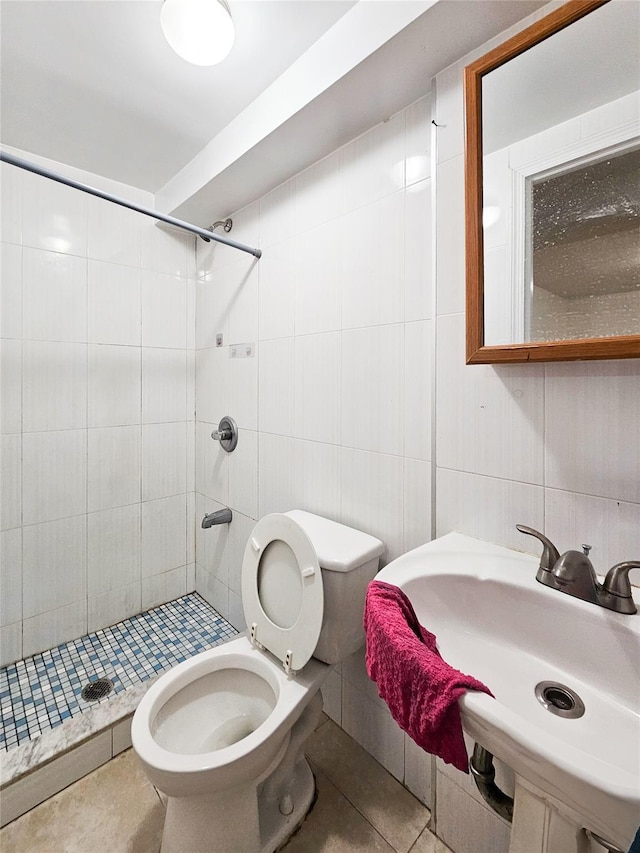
<point x="574" y="574"/>
<point x="221" y="516"/>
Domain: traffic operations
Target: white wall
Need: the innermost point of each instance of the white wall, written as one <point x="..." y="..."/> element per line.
<point x="97" y="410"/>
<point x="334" y="408"/>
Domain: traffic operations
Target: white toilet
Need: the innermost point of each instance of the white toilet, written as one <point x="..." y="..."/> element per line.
<point x="222" y="735"/>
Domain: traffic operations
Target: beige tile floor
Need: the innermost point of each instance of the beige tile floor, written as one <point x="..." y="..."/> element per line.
<point x="360" y="807"/>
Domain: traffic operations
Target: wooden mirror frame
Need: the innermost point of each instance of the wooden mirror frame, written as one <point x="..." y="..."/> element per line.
<point x="622" y="346"/>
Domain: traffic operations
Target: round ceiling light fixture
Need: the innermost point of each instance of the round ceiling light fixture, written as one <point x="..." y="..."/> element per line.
<point x="200" y="31"/>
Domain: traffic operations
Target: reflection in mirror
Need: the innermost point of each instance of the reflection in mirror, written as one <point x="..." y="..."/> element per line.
<point x="583" y="238"/>
<point x="553" y="166"/>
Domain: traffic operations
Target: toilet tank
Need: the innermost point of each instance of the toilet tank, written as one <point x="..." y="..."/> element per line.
<point x="349" y="560"/>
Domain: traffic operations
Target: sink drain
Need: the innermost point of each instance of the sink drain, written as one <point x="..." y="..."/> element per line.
<point x="559" y="699"/>
<point x="97" y="689"/>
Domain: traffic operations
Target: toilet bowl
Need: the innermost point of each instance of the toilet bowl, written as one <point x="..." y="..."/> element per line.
<point x="222" y="735"/>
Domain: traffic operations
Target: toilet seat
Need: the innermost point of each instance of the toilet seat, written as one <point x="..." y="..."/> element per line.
<point x="282" y="592"/>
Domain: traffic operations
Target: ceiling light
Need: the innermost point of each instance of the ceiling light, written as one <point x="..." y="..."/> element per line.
<point x="200" y="31"/>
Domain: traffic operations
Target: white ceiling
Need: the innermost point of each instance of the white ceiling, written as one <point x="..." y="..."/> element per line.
<point x="93" y="84"/>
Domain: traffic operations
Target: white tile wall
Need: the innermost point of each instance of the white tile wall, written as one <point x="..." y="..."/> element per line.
<point x="319" y="277"/>
<point x="373" y="388"/>
<point x="164" y="460"/>
<point x="11" y="293"/>
<point x="10" y="576"/>
<point x="276" y="386"/>
<point x="592" y="431"/>
<point x="319" y="193"/>
<point x="163" y="587"/>
<point x="10" y="643"/>
<point x="54" y="288"/>
<point x="11" y="389"/>
<point x="113" y="382"/>
<point x="370" y="723"/>
<point x="164" y="530"/>
<point x="277" y="291"/>
<point x="373" y="164"/>
<point x="54" y="564"/>
<point x="114" y="233"/>
<point x="54" y="475"/>
<point x="54" y="386"/>
<point x="372" y="497"/>
<point x="113" y="549"/>
<point x="10" y="204"/>
<point x="113" y="304"/>
<point x="113" y="467"/>
<point x="113" y="606"/>
<point x="418" y="252"/>
<point x="373" y="272"/>
<point x="450" y="236"/>
<point x="490" y="419"/>
<point x="164" y="310"/>
<point x="417" y="390"/>
<point x="317" y="386"/>
<point x="278" y="214"/>
<point x="97" y="304"/>
<point x="164" y="385"/>
<point x="213" y="377"/>
<point x="242" y="277"/>
<point x="465" y="825"/>
<point x="54" y="217"/>
<point x="11" y="462"/>
<point x="243" y="390"/>
<point x="53" y="627"/>
<point x="243" y="476"/>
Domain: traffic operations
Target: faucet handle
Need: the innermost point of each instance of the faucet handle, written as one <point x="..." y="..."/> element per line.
<point x="550" y="554"/>
<point x="616" y="589"/>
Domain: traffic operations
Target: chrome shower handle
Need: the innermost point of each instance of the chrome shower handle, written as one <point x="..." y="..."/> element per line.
<point x="226" y="434"/>
<point x="221" y="434"/>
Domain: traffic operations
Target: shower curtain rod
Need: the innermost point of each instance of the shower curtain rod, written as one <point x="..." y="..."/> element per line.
<point x="207" y="235"/>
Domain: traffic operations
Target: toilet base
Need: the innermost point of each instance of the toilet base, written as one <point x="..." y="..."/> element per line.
<point x="254" y="818"/>
<point x="276" y="828"/>
<point x="211" y="823"/>
<point x="190" y="823"/>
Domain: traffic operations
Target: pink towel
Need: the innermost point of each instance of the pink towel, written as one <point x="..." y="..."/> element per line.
<point x="420" y="688"/>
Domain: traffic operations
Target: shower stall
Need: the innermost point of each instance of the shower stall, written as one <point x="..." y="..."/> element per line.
<point x="98" y="482"/>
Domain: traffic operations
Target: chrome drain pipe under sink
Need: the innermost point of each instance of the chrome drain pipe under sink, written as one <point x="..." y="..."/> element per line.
<point x="484" y="774"/>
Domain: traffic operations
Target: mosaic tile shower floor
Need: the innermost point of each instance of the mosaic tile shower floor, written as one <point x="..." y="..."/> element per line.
<point x="41" y="692"/>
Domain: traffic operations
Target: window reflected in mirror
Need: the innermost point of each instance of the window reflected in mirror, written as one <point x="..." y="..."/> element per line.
<point x="584" y="238"/>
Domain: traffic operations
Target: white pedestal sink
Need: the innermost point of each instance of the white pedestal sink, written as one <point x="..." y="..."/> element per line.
<point x="494" y="621"/>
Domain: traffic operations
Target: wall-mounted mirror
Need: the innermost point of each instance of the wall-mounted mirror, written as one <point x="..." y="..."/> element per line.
<point x="553" y="189"/>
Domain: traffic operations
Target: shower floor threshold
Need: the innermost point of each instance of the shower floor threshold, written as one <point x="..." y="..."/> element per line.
<point x="43" y="713"/>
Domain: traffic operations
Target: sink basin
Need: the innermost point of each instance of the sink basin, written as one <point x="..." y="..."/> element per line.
<point x="494" y="621"/>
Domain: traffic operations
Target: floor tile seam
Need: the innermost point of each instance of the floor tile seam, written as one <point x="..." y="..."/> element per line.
<point x="348" y="797"/>
<point x="318" y="770"/>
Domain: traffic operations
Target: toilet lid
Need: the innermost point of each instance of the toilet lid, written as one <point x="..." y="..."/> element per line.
<point x="282" y="589"/>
